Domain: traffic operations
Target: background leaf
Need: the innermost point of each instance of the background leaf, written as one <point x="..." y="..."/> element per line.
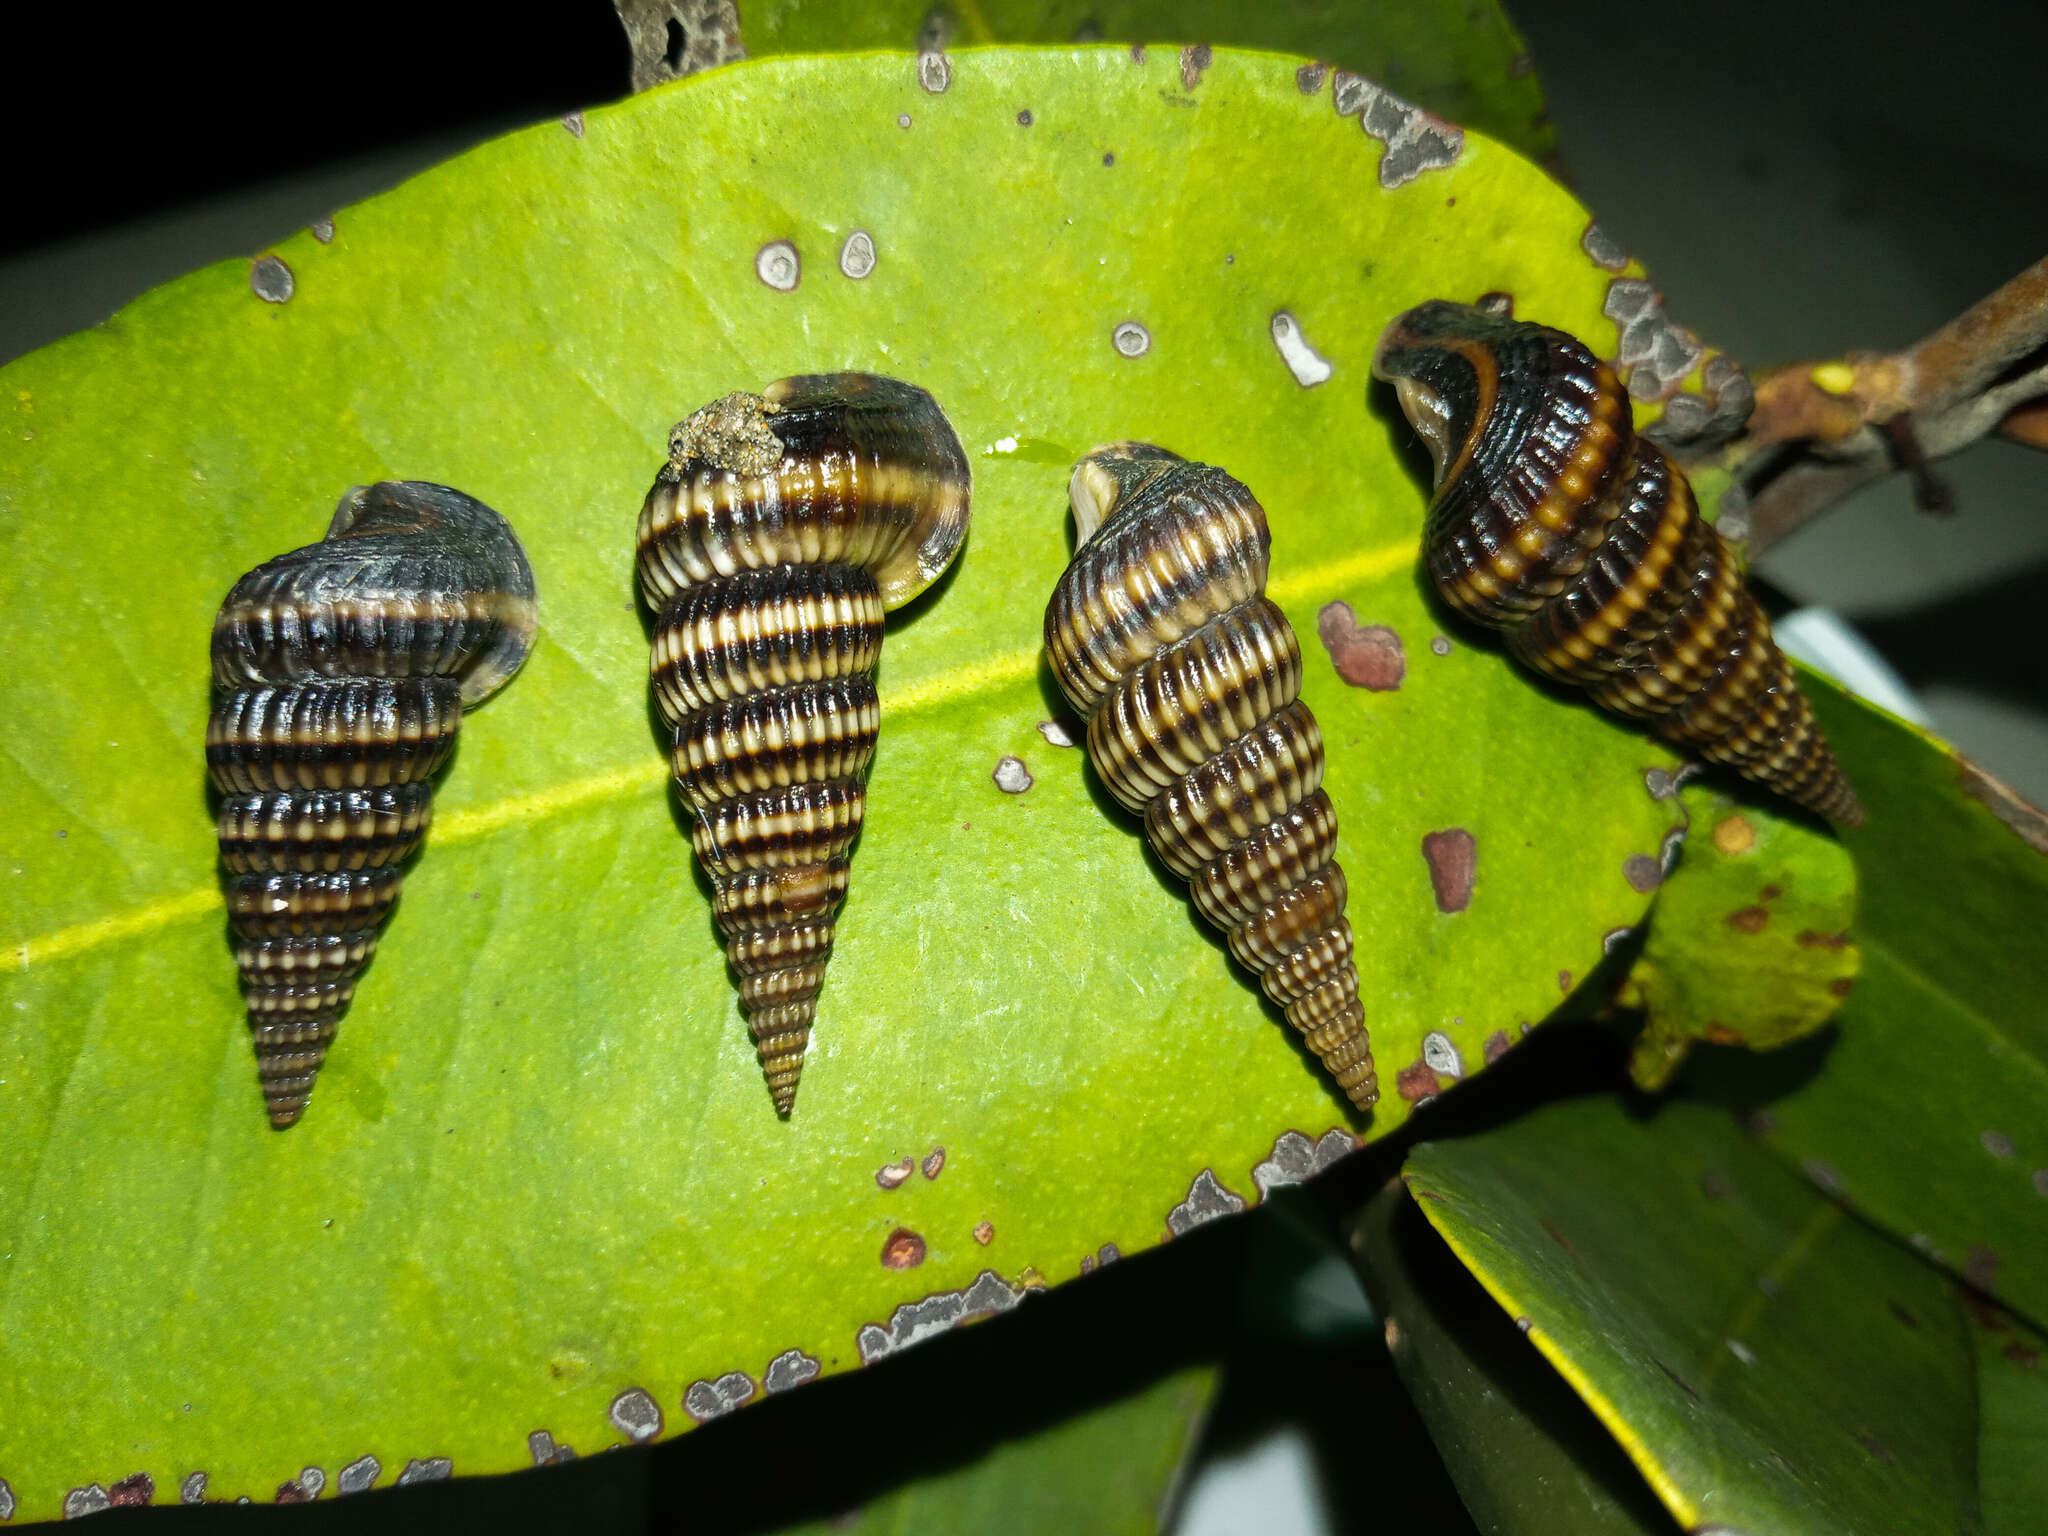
<point x="1528" y="1457"/>
<point x="1765" y="1360"/>
<point x="1463" y="61"/>
<point x="1749" y="943"/>
<point x="540" y="1189"/>
<point x="1926" y="1107"/>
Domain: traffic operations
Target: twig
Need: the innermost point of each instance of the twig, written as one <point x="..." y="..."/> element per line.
<point x="1822" y="430"/>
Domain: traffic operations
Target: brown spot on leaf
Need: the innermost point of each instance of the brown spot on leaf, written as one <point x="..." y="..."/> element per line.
<point x="1841" y="986"/>
<point x="293" y="1493"/>
<point x="1769" y="893"/>
<point x="1808" y="939"/>
<point x="1453" y="864"/>
<point x="1734" y="836"/>
<point x="1981" y="1268"/>
<point x="1642" y="872"/>
<point x="934" y="1162"/>
<point x="2028" y="822"/>
<point x="1900" y="1311"/>
<point x="1564" y="981"/>
<point x="1497" y="1045"/>
<point x="1560" y="1239"/>
<point x="133" y="1491"/>
<point x="1718" y="1033"/>
<point x="1875" y="1446"/>
<point x="1418" y="1082"/>
<point x="1365" y="655"/>
<point x="1194" y="59"/>
<point x="903" y="1250"/>
<point x="1087" y="1263"/>
<point x="1749" y="919"/>
<point x="2022" y="1355"/>
<point x="984" y="1232"/>
<point x="892" y="1175"/>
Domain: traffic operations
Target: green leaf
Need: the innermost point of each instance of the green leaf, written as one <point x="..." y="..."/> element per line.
<point x="2012" y="1411"/>
<point x="1099" y="1473"/>
<point x="1748" y="944"/>
<point x="1528" y="1457"/>
<point x="1461" y="60"/>
<point x="1926" y="1108"/>
<point x="540" y="1187"/>
<point x="1768" y="1363"/>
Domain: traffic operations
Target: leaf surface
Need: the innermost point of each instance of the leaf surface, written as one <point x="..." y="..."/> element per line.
<point x="540" y="1187"/>
<point x="1926" y="1107"/>
<point x="1767" y="1362"/>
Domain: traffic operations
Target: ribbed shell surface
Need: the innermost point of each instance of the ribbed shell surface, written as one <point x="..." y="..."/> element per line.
<point x="340" y="675"/>
<point x="1554" y="522"/>
<point x="769" y="577"/>
<point x="1160" y="634"/>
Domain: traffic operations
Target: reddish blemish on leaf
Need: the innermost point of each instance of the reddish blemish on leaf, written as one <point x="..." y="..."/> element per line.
<point x="933" y="1163"/>
<point x="1718" y="1033"/>
<point x="904" y="1250"/>
<point x="1564" y="981"/>
<point x="1811" y="940"/>
<point x="984" y="1232"/>
<point x="1749" y="919"/>
<point x="134" y="1490"/>
<point x="1841" y="986"/>
<point x="1497" y="1045"/>
<point x="1418" y="1081"/>
<point x="1453" y="865"/>
<point x="1365" y="655"/>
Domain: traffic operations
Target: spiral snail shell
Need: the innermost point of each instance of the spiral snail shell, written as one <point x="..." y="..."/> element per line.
<point x="782" y="527"/>
<point x="340" y="674"/>
<point x="1160" y="633"/>
<point x="1554" y="522"/>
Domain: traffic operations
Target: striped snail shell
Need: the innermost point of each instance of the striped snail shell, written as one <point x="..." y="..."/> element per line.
<point x="1160" y="633"/>
<point x="340" y="674"/>
<point x="1554" y="522"/>
<point x="782" y="527"/>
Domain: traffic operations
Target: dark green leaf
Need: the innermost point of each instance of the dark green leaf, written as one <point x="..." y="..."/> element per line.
<point x="1766" y="1361"/>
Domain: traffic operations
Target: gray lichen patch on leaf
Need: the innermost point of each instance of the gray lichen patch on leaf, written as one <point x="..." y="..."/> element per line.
<point x="635" y="1414"/>
<point x="1295" y="1159"/>
<point x="1606" y="251"/>
<point x="1655" y="354"/>
<point x="1415" y="141"/>
<point x="1642" y="872"/>
<point x="706" y="1400"/>
<point x="89" y="1500"/>
<point x="857" y="255"/>
<point x="6" y="1500"/>
<point x="1442" y="1055"/>
<point x="934" y="72"/>
<point x="426" y="1469"/>
<point x="359" y="1476"/>
<point x="1207" y="1200"/>
<point x="779" y="266"/>
<point x="271" y="280"/>
<point x="1131" y="339"/>
<point x="1055" y="733"/>
<point x="1012" y="776"/>
<point x="916" y="1321"/>
<point x="791" y="1368"/>
<point x="546" y="1451"/>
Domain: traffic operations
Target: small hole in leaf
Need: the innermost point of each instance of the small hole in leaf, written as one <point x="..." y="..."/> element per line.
<point x="678" y="40"/>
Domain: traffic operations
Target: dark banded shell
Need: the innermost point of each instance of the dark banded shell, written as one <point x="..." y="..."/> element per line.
<point x="781" y="529"/>
<point x="1160" y="633"/>
<point x="1554" y="522"/>
<point x="340" y="674"/>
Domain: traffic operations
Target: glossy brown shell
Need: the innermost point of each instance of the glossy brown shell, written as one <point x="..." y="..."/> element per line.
<point x="1161" y="635"/>
<point x="340" y="675"/>
<point x="781" y="529"/>
<point x="1555" y="523"/>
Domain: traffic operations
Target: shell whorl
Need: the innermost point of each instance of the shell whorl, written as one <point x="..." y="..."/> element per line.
<point x="1555" y="523"/>
<point x="340" y="675"/>
<point x="1161" y="635"/>
<point x="781" y="529"/>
